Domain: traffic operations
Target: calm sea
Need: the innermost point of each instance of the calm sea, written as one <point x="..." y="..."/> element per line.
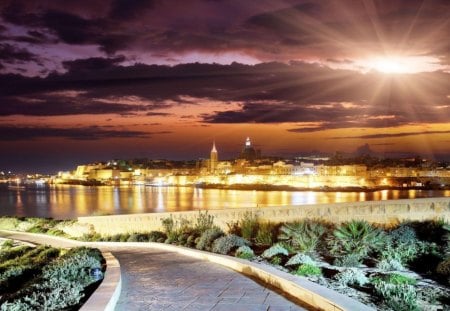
<point x="64" y="201"/>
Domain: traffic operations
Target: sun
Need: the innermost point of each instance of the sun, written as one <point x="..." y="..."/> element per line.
<point x="402" y="64"/>
<point x="390" y="65"/>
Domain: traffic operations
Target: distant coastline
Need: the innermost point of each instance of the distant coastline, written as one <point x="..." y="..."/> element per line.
<point x="269" y="187"/>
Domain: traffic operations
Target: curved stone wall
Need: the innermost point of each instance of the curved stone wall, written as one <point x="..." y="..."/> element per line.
<point x="381" y="212"/>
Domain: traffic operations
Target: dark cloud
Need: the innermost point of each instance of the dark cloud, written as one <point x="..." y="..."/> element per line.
<point x="266" y="93"/>
<point x="14" y="133"/>
<point x="125" y="9"/>
<point x="159" y="114"/>
<point x="269" y="30"/>
<point x="14" y="55"/>
<point x="387" y="135"/>
<point x="92" y="64"/>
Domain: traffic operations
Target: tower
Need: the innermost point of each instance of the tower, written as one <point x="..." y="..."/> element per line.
<point x="248" y="152"/>
<point x="213" y="159"/>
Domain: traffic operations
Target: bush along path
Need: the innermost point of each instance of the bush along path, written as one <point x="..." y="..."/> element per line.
<point x="403" y="267"/>
<point x="46" y="278"/>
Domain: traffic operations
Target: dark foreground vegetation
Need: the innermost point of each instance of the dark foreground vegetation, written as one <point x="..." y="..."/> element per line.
<point x="405" y="266"/>
<point x="47" y="278"/>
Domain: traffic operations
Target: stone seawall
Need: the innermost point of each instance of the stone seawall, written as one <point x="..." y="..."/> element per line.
<point x="381" y="212"/>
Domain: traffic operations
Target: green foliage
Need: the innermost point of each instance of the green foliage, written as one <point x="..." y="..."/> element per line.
<point x="91" y="237"/>
<point x="446" y="238"/>
<point x="390" y="265"/>
<point x="302" y="236"/>
<point x="299" y="259"/>
<point x="168" y="224"/>
<point x="207" y="238"/>
<point x="155" y="236"/>
<point x="276" y="260"/>
<point x="349" y="260"/>
<point x="308" y="270"/>
<point x="244" y="252"/>
<point x="226" y="244"/>
<point x="7" y="244"/>
<point x="8" y="223"/>
<point x="401" y="297"/>
<point x="265" y="234"/>
<point x="274" y="250"/>
<point x="249" y="226"/>
<point x="56" y="232"/>
<point x="138" y="237"/>
<point x="13" y="252"/>
<point x="59" y="285"/>
<point x="356" y="237"/>
<point x="351" y="276"/>
<point x="204" y="222"/>
<point x="403" y="234"/>
<point x="402" y="246"/>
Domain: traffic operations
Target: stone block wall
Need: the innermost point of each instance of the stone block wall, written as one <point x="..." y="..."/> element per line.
<point x="381" y="212"/>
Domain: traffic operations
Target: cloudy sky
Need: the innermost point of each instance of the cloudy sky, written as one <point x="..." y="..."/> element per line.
<point x="94" y="80"/>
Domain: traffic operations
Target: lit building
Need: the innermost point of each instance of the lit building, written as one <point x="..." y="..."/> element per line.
<point x="248" y="152"/>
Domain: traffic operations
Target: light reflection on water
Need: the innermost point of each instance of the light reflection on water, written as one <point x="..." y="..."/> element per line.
<point x="65" y="201"/>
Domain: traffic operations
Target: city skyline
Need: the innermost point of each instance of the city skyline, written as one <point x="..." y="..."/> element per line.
<point x="86" y="81"/>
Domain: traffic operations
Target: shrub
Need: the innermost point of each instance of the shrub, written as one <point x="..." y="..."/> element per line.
<point x="91" y="237"/>
<point x="302" y="236"/>
<point x="398" y="297"/>
<point x="403" y="234"/>
<point x="245" y="252"/>
<point x="403" y="245"/>
<point x="7" y="244"/>
<point x="190" y="242"/>
<point x="154" y="236"/>
<point x="249" y="225"/>
<point x="61" y="284"/>
<point x="14" y="252"/>
<point x="308" y="270"/>
<point x="276" y="249"/>
<point x="390" y="265"/>
<point x="443" y="268"/>
<point x="56" y="232"/>
<point x="349" y="260"/>
<point x="276" y="260"/>
<point x="204" y="222"/>
<point x="138" y="237"/>
<point x="299" y="259"/>
<point x="8" y="223"/>
<point x="264" y="234"/>
<point x="168" y="224"/>
<point x="233" y="228"/>
<point x="351" y="276"/>
<point x="208" y="237"/>
<point x="356" y="237"/>
<point x="226" y="244"/>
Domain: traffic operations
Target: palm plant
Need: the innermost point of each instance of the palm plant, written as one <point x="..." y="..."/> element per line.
<point x="357" y="238"/>
<point x="302" y="236"/>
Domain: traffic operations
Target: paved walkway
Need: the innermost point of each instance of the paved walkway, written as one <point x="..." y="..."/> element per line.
<point x="162" y="280"/>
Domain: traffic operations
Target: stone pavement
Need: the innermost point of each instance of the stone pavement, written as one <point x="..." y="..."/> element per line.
<point x="162" y="280"/>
